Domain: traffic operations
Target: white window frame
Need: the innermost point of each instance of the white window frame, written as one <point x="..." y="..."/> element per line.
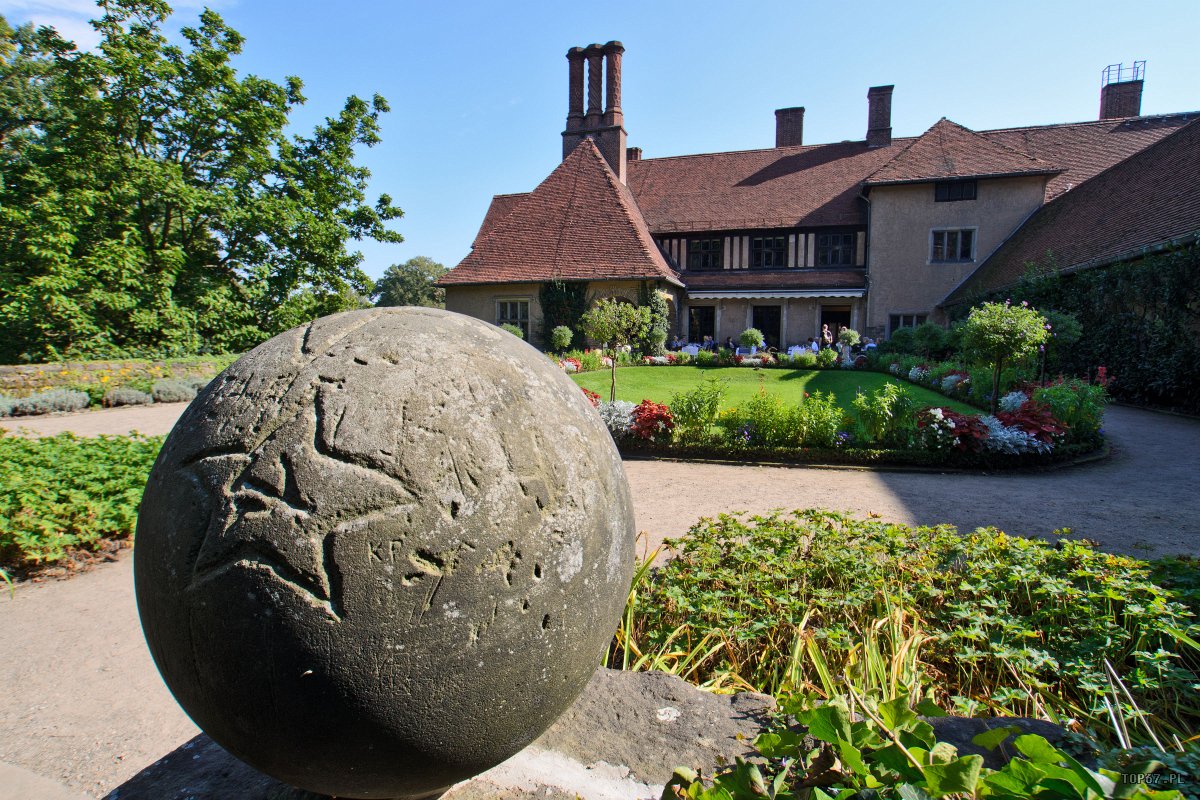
<point x="974" y="245"/>
<point x="523" y="324"/>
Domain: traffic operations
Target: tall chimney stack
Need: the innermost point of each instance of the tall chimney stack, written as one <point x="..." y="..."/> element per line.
<point x="789" y="127"/>
<point x="879" y="116"/>
<point x="603" y="121"/>
<point x="1121" y="90"/>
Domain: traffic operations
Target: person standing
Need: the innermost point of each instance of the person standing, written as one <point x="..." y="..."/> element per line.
<point x="826" y="336"/>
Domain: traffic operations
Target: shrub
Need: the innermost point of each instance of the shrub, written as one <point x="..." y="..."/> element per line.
<point x="929" y="339"/>
<point x="62" y="492"/>
<point x="751" y="337"/>
<point x="886" y="416"/>
<point x="999" y="333"/>
<point x="652" y="421"/>
<point x="848" y="337"/>
<point x="6" y="405"/>
<point x="705" y="358"/>
<point x="617" y="417"/>
<point x="901" y="341"/>
<point x="826" y="358"/>
<point x="1077" y="404"/>
<point x="126" y="396"/>
<point x="590" y="360"/>
<point x="816" y="421"/>
<point x="971" y="621"/>
<point x="560" y="338"/>
<point x="51" y="401"/>
<point x="696" y="411"/>
<point x="513" y="329"/>
<point x="806" y="359"/>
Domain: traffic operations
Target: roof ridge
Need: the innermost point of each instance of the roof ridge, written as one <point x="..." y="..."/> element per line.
<point x="1090" y="122"/>
<point x="799" y="147"/>
<point x="1002" y="145"/>
<point x="630" y="208"/>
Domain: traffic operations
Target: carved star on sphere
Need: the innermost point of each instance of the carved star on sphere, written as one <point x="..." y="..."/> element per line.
<point x="278" y="506"/>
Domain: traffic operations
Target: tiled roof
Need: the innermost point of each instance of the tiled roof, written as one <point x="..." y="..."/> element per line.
<point x="502" y="205"/>
<point x="580" y="224"/>
<point x="776" y="188"/>
<point x="948" y="150"/>
<point x="1149" y="199"/>
<point x="1085" y="149"/>
<point x="792" y="279"/>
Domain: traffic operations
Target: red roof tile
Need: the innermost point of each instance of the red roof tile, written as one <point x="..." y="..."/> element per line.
<point x="948" y="150"/>
<point x="778" y="188"/>
<point x="1148" y="200"/>
<point x="501" y="206"/>
<point x="1085" y="149"/>
<point x="580" y="224"/>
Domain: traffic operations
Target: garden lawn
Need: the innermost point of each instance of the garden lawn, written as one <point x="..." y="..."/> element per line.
<point x="660" y="383"/>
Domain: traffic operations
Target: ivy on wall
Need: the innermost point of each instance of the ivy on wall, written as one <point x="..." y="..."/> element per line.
<point x="1140" y="319"/>
<point x="563" y="303"/>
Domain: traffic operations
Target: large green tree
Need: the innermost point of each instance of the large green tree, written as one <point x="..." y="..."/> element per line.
<point x="152" y="202"/>
<point x="413" y="283"/>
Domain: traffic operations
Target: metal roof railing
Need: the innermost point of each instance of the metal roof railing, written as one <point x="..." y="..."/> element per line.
<point x="1119" y="73"/>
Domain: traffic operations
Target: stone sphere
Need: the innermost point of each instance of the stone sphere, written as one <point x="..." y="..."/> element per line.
<point x="383" y="552"/>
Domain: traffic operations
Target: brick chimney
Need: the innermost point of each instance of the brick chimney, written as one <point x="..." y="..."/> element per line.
<point x="789" y="127"/>
<point x="1121" y="90"/>
<point x="602" y="124"/>
<point x="879" y="116"/>
<point x="633" y="154"/>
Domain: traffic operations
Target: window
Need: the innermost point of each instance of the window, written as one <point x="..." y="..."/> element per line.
<point x="949" y="191"/>
<point x="701" y="323"/>
<point x="898" y="321"/>
<point x="513" y="312"/>
<point x="952" y="245"/>
<point x="835" y="249"/>
<point x="768" y="252"/>
<point x="705" y="253"/>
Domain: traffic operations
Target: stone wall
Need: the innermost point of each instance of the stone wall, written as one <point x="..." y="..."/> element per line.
<point x="21" y="380"/>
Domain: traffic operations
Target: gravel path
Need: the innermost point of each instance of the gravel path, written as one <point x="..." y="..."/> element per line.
<point x="81" y="703"/>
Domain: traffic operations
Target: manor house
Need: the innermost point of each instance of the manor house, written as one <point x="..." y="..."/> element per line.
<point x="874" y="234"/>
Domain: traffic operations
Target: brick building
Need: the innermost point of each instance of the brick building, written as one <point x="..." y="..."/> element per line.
<point x="873" y="234"/>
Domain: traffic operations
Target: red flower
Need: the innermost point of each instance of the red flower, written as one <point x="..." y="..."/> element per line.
<point x="651" y="419"/>
<point x="592" y="397"/>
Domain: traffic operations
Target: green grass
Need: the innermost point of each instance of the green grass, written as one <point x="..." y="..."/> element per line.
<point x="660" y="383"/>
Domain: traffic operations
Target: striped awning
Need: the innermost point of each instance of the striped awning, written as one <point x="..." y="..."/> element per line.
<point x="772" y="294"/>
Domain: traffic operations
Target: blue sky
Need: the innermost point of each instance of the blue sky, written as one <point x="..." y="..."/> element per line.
<point x="479" y="90"/>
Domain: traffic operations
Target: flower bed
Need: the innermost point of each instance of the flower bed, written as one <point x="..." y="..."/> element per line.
<point x="882" y="426"/>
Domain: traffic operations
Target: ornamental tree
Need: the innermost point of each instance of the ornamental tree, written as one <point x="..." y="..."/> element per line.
<point x="613" y="324"/>
<point x="1001" y="333"/>
<point x="413" y="283"/>
<point x="751" y="337"/>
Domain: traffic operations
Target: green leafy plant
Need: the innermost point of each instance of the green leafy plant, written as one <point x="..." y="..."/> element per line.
<point x="695" y="411"/>
<point x="513" y="329"/>
<point x="826" y="358"/>
<point x="849" y="337"/>
<point x="615" y="324"/>
<point x="887" y="416"/>
<point x="63" y="493"/>
<point x="999" y="333"/>
<point x="816" y="601"/>
<point x="560" y="338"/>
<point x="751" y="337"/>
<point x="851" y="747"/>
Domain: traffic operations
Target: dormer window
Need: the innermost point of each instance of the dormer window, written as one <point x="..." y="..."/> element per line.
<point x="950" y="191"/>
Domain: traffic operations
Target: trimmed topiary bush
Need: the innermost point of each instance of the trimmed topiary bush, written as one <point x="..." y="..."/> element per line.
<point x="50" y="402"/>
<point x="174" y="391"/>
<point x="126" y="396"/>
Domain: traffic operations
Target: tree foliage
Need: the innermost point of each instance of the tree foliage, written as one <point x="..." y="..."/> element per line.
<point x="413" y="283"/>
<point x="152" y="203"/>
<point x="999" y="333"/>
<point x="615" y="324"/>
<point x="653" y="342"/>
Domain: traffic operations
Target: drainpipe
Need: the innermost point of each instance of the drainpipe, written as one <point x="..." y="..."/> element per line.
<point x="867" y="260"/>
